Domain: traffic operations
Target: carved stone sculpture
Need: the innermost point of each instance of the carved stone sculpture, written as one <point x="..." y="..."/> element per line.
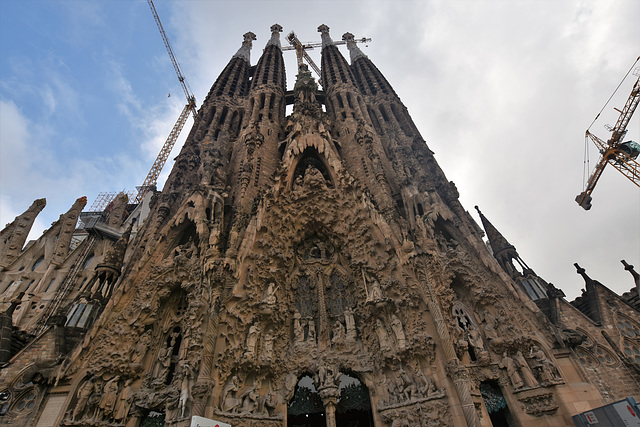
<point x="398" y="330"/>
<point x="84" y="392"/>
<point x="383" y="337"/>
<point x="109" y="397"/>
<point x="124" y="402"/>
<point x="252" y="341"/>
<point x="525" y="371"/>
<point x="229" y="401"/>
<point x="546" y="368"/>
<point x="512" y="371"/>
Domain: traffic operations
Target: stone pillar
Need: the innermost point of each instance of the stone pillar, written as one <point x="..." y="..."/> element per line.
<point x="329" y="395"/>
<point x="455" y="369"/>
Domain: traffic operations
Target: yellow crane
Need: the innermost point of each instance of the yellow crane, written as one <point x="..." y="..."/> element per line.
<point x="190" y="107"/>
<point x="621" y="155"/>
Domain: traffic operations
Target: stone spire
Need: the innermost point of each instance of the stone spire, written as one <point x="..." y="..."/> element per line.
<point x="67" y="224"/>
<point x="497" y="241"/>
<point x="354" y="50"/>
<point x="324" y="34"/>
<point x="636" y="276"/>
<point x="245" y="50"/>
<point x="14" y="235"/>
<point x="588" y="302"/>
<point x="276" y="29"/>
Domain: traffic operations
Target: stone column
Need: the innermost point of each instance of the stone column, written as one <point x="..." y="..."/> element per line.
<point x="455" y="369"/>
<point x="329" y="395"/>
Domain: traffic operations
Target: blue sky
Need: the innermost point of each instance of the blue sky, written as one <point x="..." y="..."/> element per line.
<point x="501" y="91"/>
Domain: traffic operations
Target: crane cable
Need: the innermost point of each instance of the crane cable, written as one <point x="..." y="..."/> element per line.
<point x="586" y="168"/>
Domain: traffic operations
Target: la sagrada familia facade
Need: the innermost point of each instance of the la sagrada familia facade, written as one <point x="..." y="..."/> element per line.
<point x="315" y="269"/>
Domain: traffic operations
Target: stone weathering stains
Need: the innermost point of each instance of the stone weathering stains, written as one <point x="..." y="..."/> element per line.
<point x="310" y="269"/>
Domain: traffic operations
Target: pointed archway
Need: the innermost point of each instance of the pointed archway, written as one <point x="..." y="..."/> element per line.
<point x="354" y="405"/>
<point x="305" y="408"/>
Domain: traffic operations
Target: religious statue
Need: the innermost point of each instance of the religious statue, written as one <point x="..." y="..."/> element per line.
<point x="267" y="347"/>
<point x="229" y="400"/>
<point x="351" y="325"/>
<point x="252" y="341"/>
<point x="512" y="370"/>
<point x="545" y="367"/>
<point x="250" y="398"/>
<point x="338" y="333"/>
<point x="270" y="295"/>
<point x="124" y="402"/>
<point x="298" y="330"/>
<point x="312" y="331"/>
<point x="525" y="370"/>
<point x="396" y="326"/>
<point x="83" y="394"/>
<point x="383" y="337"/>
<point x="375" y="294"/>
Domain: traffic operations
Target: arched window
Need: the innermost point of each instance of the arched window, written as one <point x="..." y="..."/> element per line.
<point x="37" y="263"/>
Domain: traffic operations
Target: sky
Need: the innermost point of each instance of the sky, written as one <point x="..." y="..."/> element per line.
<point x="502" y="91"/>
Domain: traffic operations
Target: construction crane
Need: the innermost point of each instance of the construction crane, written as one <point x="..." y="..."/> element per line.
<point x="621" y="155"/>
<point x="301" y="49"/>
<point x="190" y="107"/>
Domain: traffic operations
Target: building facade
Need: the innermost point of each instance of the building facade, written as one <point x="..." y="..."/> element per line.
<point x="308" y="269"/>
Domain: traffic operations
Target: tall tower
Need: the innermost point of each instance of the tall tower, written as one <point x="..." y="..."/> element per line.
<point x="311" y="269"/>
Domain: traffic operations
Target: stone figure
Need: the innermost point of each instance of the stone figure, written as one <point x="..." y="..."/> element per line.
<point x="298" y="330"/>
<point x="311" y="337"/>
<point x="268" y="403"/>
<point x="475" y="342"/>
<point x="383" y="337"/>
<point x="424" y="384"/>
<point x="140" y="348"/>
<point x="338" y="333"/>
<point x="124" y="402"/>
<point x="252" y="341"/>
<point x="185" y="387"/>
<point x="391" y="392"/>
<point x="525" y="371"/>
<point x="270" y="295"/>
<point x="396" y="326"/>
<point x="109" y="397"/>
<point x="545" y="367"/>
<point x="163" y="363"/>
<point x="375" y="293"/>
<point x="84" y="392"/>
<point x="512" y="370"/>
<point x="250" y="399"/>
<point x="405" y="387"/>
<point x="229" y="400"/>
<point x="351" y="325"/>
<point x="267" y="347"/>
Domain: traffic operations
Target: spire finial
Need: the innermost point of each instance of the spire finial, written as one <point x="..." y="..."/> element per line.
<point x="245" y="50"/>
<point x="354" y="50"/>
<point x="276" y="29"/>
<point x="324" y="34"/>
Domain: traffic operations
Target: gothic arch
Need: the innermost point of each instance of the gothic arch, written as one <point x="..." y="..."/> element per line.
<point x="310" y="157"/>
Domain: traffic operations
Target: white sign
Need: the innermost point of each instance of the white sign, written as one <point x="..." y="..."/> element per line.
<point x="206" y="422"/>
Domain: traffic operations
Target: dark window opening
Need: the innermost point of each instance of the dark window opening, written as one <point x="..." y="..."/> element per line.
<point x="384" y="114"/>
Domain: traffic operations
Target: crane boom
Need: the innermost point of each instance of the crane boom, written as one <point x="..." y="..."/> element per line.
<point x="191" y="100"/>
<point x="301" y="49"/>
<point x="152" y="176"/>
<point x="620" y="155"/>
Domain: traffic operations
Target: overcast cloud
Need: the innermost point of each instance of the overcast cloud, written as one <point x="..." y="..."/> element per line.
<point x="501" y="91"/>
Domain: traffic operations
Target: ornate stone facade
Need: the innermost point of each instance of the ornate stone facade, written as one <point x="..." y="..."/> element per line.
<point x="310" y="269"/>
